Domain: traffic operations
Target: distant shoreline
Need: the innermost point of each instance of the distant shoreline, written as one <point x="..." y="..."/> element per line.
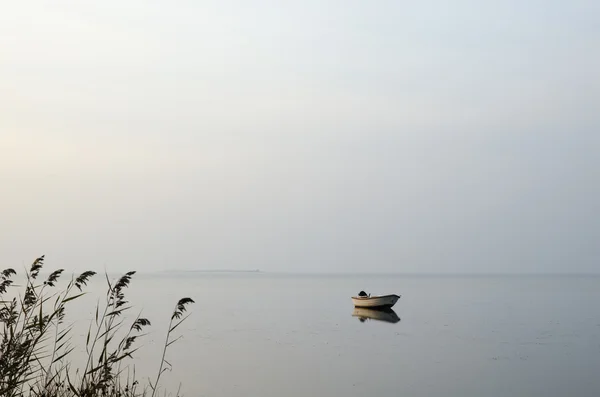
<point x="213" y="271"/>
<point x="399" y="274"/>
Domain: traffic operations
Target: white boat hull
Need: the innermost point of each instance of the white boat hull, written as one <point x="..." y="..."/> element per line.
<point x="375" y="301"/>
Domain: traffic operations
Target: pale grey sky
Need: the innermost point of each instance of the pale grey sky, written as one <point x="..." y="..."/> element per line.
<point x="385" y="136"/>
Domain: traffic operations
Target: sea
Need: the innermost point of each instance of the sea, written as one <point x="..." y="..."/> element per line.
<point x="272" y="335"/>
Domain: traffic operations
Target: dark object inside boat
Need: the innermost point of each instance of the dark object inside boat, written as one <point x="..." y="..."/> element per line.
<point x="363" y="293"/>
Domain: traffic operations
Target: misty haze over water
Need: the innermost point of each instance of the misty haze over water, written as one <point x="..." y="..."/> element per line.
<point x="443" y="151"/>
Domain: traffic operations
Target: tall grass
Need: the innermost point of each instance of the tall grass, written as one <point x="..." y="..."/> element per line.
<point x="36" y="346"/>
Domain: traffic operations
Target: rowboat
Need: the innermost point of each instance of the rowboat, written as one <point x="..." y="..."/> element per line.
<point x="374" y="301"/>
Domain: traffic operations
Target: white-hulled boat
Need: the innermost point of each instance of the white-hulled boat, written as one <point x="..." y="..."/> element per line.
<point x="374" y="301"/>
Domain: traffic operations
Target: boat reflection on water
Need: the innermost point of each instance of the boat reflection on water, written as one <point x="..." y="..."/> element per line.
<point x="386" y="315"/>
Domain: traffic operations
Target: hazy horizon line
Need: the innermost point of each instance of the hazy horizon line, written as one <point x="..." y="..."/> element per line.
<point x="42" y="274"/>
<point x="354" y="273"/>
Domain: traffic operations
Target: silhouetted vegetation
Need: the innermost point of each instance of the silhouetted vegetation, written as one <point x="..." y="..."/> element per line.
<point x="37" y="343"/>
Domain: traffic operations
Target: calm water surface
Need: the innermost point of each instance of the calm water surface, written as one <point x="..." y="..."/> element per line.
<point x="284" y="335"/>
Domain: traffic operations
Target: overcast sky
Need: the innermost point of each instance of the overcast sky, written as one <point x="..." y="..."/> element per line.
<point x="314" y="135"/>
